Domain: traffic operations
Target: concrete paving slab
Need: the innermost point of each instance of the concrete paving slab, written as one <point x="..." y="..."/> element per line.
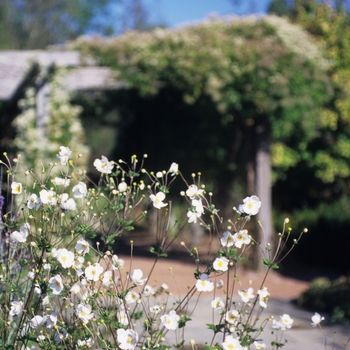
<point x="302" y="336"/>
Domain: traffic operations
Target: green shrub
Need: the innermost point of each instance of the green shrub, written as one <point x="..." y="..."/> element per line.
<point x="329" y="296"/>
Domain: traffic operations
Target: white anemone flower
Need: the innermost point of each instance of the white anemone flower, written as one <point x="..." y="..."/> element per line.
<point x="286" y="320"/>
<point x="155" y="309"/>
<point x="148" y="291"/>
<point x="193" y="192"/>
<point x="158" y="199"/>
<point x="123" y="317"/>
<point x="251" y="205"/>
<point x="65" y="257"/>
<point x="241" y="237"/>
<point x="33" y="202"/>
<point x="122" y="187"/>
<point x="218" y="304"/>
<point x="174" y="168"/>
<point x="136" y="277"/>
<point x="203" y="284"/>
<point x="16" y="188"/>
<point x="56" y="284"/>
<point x="263" y="297"/>
<point x="259" y="345"/>
<point x="80" y="190"/>
<point x="284" y="323"/>
<point x="37" y="321"/>
<point x="227" y="239"/>
<point x="51" y="320"/>
<point x="127" y="339"/>
<point x="316" y="319"/>
<point x="221" y="264"/>
<point x="107" y="278"/>
<point x="117" y="263"/>
<point x="67" y="203"/>
<point x="21" y="235"/>
<point x="103" y="165"/>
<point x="48" y="197"/>
<point x="232" y="317"/>
<point x="170" y="320"/>
<point x="59" y="181"/>
<point x="93" y="272"/>
<point x="64" y="155"/>
<point x="231" y="343"/>
<point x="16" y="308"/>
<point x="131" y="297"/>
<point x="246" y="294"/>
<point x="82" y="246"/>
<point x="84" y="312"/>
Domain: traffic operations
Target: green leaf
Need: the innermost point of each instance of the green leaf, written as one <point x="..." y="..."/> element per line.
<point x="267" y="262"/>
<point x="216" y="328"/>
<point x="137" y="315"/>
<point x="207" y="347"/>
<point x="183" y="320"/>
<point x="179" y="345"/>
<point x="157" y="250"/>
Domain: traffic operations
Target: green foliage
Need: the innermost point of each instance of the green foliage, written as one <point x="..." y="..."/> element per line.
<point x="327" y="224"/>
<point x="63" y="127"/>
<point x="35" y="24"/>
<point x="322" y="164"/>
<point x="222" y="79"/>
<point x="328" y="296"/>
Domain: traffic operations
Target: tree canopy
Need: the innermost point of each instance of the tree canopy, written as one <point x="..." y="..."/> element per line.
<point x="35" y="24"/>
<point x="253" y="86"/>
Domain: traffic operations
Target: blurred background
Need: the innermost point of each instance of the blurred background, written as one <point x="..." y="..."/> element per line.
<point x="253" y="94"/>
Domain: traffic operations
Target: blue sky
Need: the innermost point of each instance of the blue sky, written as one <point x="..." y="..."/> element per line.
<point x="176" y="12"/>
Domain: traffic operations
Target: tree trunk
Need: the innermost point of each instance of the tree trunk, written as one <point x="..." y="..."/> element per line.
<point x="263" y="186"/>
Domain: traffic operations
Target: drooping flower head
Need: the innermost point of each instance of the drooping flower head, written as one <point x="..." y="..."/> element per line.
<point x="316" y="319"/>
<point x="174" y="168"/>
<point x="80" y="190"/>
